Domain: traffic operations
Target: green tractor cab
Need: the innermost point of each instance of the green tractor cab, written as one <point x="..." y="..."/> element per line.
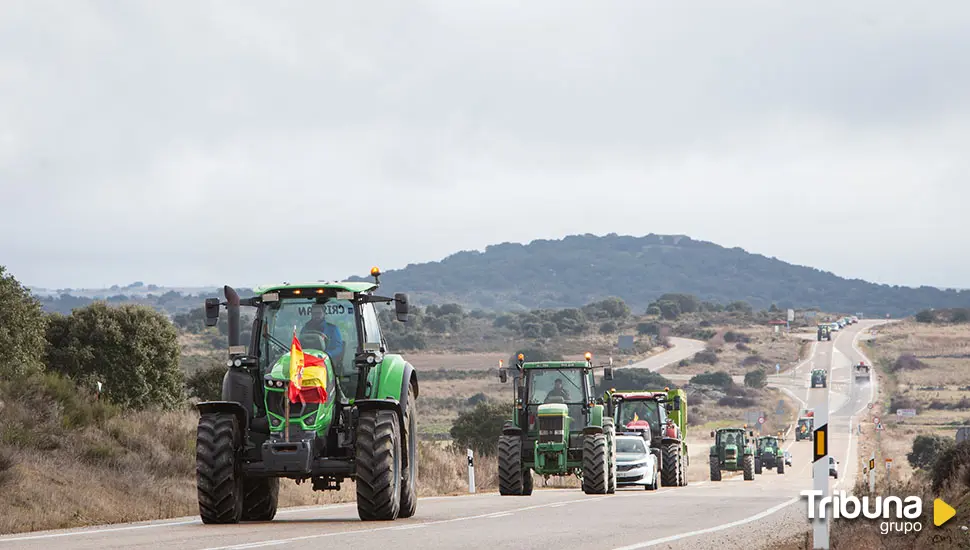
<point x="354" y="417"/>
<point x="806" y="425"/>
<point x="664" y="415"/>
<point x="819" y="377"/>
<point x="732" y="451"/>
<point x="824" y="332"/>
<point x="768" y="454"/>
<point x="558" y="428"/>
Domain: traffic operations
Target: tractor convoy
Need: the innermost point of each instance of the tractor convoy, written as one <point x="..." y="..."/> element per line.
<point x="316" y="394"/>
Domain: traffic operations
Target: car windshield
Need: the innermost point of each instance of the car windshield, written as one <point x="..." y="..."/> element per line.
<point x="556" y="386"/>
<point x="630" y="445"/>
<point x="330" y="325"/>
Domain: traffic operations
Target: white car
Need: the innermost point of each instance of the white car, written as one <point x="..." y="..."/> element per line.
<point x="635" y="463"/>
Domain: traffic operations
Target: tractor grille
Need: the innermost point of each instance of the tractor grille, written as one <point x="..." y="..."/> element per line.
<point x="276" y="404"/>
<point x="730" y="453"/>
<point x="550" y="429"/>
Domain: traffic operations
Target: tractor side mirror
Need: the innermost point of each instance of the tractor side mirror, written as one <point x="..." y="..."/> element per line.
<point x="750" y="433"/>
<point x="503" y="375"/>
<point x="608" y="373"/>
<point x="401" y="306"/>
<point x="676" y="402"/>
<point x="712" y="433"/>
<point x="211" y="312"/>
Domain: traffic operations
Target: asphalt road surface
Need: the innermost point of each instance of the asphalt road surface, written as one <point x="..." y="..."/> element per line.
<point x="732" y="513"/>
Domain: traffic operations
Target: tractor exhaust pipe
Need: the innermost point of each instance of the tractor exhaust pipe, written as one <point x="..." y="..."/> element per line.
<point x="232" y="306"/>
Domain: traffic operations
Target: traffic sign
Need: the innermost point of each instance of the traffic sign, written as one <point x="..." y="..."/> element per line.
<point x="870" y="405"/>
<point x="879" y="427"/>
<point x="889" y="463"/>
<point x="761" y="420"/>
<point x="875" y="419"/>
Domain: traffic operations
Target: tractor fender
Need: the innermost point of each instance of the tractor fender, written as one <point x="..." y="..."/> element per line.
<point x="669" y="440"/>
<point x="713" y="450"/>
<point x="596" y="415"/>
<point x="225" y="407"/>
<point x="590" y="430"/>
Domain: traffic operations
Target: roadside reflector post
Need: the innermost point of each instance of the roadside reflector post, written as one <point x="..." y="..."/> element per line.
<point x="872" y="472"/>
<point x="820" y="470"/>
<point x="471" y="471"/>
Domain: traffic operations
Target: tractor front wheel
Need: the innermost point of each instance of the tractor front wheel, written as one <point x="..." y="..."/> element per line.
<point x="758" y="463"/>
<point x="748" y="467"/>
<point x="262" y="495"/>
<point x="527" y="482"/>
<point x="409" y="477"/>
<point x="781" y="465"/>
<point x="510" y="473"/>
<point x="671" y="464"/>
<point x="715" y="469"/>
<point x="378" y="459"/>
<point x="218" y="479"/>
<point x="595" y="465"/>
<point x="611" y="442"/>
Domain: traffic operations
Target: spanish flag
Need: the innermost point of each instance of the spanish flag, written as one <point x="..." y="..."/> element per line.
<point x="308" y="376"/>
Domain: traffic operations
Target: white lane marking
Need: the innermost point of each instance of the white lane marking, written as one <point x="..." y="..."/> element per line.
<point x="96" y="531"/>
<point x="277" y="542"/>
<point x="406" y="527"/>
<point x="502" y="515"/>
<point x="672" y="538"/>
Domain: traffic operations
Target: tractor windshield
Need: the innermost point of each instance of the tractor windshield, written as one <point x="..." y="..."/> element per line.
<point x="730" y="438"/>
<point x="556" y="386"/>
<point x="634" y="411"/>
<point x="327" y="326"/>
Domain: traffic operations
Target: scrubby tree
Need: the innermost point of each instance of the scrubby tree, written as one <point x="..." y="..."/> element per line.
<point x="205" y="384"/>
<point x="927" y="448"/>
<point x="756" y="378"/>
<point x="132" y="349"/>
<point x="925" y="316"/>
<point x="22" y="326"/>
<point x="719" y="379"/>
<point x="479" y="428"/>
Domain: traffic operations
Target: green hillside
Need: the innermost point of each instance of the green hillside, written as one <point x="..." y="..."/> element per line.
<point x="580" y="269"/>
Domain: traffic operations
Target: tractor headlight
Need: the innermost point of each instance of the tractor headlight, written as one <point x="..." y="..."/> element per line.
<point x="237" y="363"/>
<point x="229" y="363"/>
<point x="279" y="383"/>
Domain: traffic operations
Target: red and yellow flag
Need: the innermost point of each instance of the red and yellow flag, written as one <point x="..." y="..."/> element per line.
<point x="308" y="376"/>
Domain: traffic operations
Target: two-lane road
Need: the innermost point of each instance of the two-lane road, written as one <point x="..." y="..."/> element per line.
<point x="729" y="514"/>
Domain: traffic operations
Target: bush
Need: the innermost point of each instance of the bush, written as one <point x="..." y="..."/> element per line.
<point x="707" y="357"/>
<point x="205" y="384"/>
<point x="952" y="466"/>
<point x="925" y="316"/>
<point x="22" y="326"/>
<point x="907" y="361"/>
<point x="730" y="337"/>
<point x="609" y="327"/>
<point x="479" y="428"/>
<point x="718" y="379"/>
<point x="756" y="379"/>
<point x="738" y="402"/>
<point x="132" y="349"/>
<point x="926" y="449"/>
<point x="634" y="380"/>
<point x="652" y="329"/>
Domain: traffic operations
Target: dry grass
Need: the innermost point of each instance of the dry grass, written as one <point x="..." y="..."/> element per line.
<point x="764" y="349"/>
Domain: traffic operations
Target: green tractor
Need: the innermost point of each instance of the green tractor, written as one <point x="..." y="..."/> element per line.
<point x="769" y="454"/>
<point x="806" y="425"/>
<point x="732" y="451"/>
<point x="819" y="378"/>
<point x="824" y="332"/>
<point x="557" y="428"/>
<point x="351" y="415"/>
<point x="662" y="414"/>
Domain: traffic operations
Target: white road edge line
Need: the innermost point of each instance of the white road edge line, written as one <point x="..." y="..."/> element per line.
<point x="672" y="538"/>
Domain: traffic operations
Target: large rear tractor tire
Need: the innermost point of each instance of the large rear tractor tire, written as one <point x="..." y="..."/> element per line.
<point x="409" y="476"/>
<point x="670" y="465"/>
<point x="781" y="465"/>
<point x="595" y="465"/>
<point x="749" y="467"/>
<point x="715" y="469"/>
<point x="611" y="443"/>
<point x="527" y="482"/>
<point x="684" y="463"/>
<point x="378" y="459"/>
<point x="262" y="495"/>
<point x="219" y="481"/>
<point x="510" y="480"/>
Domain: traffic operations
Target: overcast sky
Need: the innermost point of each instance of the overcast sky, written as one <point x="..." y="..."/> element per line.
<point x="190" y="143"/>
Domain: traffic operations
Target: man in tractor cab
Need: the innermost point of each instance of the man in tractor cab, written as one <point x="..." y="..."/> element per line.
<point x="318" y="325"/>
<point x="558" y="391"/>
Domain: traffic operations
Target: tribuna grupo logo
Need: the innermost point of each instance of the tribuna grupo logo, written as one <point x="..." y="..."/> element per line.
<point x="851" y="507"/>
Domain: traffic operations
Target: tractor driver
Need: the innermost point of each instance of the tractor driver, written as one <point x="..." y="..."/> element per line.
<point x="334" y="342"/>
<point x="558" y="391"/>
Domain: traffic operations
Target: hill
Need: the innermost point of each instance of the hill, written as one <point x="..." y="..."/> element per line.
<point x="580" y="269"/>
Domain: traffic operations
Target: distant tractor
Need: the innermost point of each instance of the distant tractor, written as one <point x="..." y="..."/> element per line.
<point x="557" y="428"/>
<point x="326" y="403"/>
<point x="768" y="454"/>
<point x="664" y="413"/>
<point x="732" y="451"/>
<point x="819" y="378"/>
<point x="824" y="332"/>
<point x="862" y="371"/>
<point x="806" y="425"/>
